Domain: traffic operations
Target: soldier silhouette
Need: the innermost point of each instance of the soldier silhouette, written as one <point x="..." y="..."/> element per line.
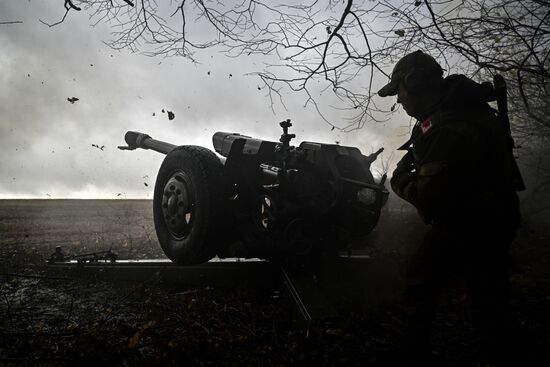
<point x="458" y="173"/>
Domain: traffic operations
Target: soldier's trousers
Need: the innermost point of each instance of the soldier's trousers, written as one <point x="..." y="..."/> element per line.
<point x="481" y="259"/>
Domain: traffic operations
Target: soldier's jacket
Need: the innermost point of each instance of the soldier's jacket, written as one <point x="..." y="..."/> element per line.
<point x="463" y="172"/>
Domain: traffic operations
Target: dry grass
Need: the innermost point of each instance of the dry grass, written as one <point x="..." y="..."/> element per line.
<point x="76" y="322"/>
<point x="79" y="226"/>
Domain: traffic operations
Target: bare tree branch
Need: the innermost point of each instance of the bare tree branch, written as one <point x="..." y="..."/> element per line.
<point x="337" y="49"/>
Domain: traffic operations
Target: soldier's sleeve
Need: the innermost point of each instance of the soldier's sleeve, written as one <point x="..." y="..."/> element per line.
<point x="446" y="172"/>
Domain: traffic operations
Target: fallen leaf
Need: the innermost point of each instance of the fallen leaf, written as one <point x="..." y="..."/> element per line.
<point x="132" y="342"/>
<point x="171" y="115"/>
<point x="337" y="332"/>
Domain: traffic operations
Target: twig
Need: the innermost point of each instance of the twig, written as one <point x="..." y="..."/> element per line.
<point x="39" y="333"/>
<point x="12" y="22"/>
<point x="56" y="23"/>
<point x="9" y="311"/>
<point x="70" y="311"/>
<point x="33" y="276"/>
<point x="69" y="4"/>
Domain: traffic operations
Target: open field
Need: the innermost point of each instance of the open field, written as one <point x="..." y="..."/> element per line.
<point x="80" y="226"/>
<point x="47" y="320"/>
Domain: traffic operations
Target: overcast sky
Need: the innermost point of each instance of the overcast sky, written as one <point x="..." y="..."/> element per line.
<point x="46" y="142"/>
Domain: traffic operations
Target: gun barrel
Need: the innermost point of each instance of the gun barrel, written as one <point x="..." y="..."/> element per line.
<point x="136" y="140"/>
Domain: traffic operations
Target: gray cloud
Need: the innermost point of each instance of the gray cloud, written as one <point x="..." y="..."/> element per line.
<point x="46" y="142"/>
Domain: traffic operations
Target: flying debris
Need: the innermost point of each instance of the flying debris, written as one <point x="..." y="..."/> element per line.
<point x="400" y="32"/>
<point x="153" y="114"/>
<point x="98" y="147"/>
<point x="230" y="75"/>
<point x="208" y="73"/>
<point x="119" y="194"/>
<point x="332" y="128"/>
<point x="329" y="30"/>
<point x="72" y="99"/>
<point x="171" y="115"/>
<point x="146" y="185"/>
<point x="163" y="110"/>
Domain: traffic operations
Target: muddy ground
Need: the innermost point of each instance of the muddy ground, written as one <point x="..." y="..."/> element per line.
<point x="51" y="319"/>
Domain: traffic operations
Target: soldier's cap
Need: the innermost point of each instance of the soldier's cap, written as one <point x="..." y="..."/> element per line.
<point x="408" y="64"/>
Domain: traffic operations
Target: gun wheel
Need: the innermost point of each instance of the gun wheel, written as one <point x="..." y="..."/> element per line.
<point x="187" y="205"/>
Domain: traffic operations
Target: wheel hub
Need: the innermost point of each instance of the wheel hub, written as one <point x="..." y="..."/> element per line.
<point x="177" y="206"/>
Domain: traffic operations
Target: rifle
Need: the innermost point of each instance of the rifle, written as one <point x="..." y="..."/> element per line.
<point x="502" y="105"/>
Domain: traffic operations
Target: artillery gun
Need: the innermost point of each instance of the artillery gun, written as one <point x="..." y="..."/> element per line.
<point x="261" y="199"/>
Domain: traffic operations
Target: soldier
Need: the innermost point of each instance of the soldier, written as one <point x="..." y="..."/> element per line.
<point x="458" y="174"/>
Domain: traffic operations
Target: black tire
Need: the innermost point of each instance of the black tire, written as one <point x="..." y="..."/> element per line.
<point x="188" y="205"/>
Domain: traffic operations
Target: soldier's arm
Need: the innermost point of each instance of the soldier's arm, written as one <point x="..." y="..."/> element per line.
<point x="446" y="173"/>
